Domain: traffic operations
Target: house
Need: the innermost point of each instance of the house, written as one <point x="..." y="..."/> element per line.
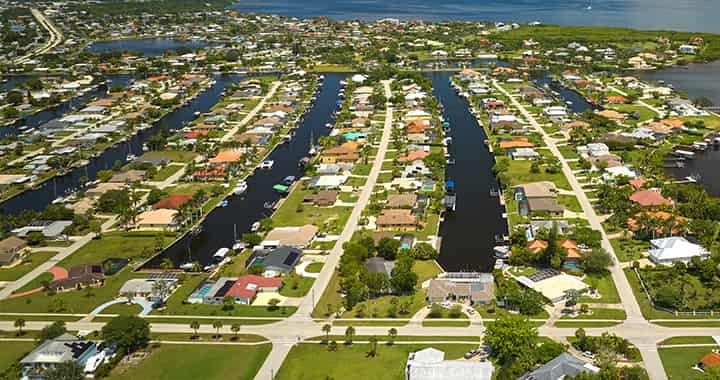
<point x="323" y="198"/>
<point x="430" y="364"/>
<point x="146" y="288"/>
<point x="53" y="352"/>
<point x="462" y="286"/>
<point x="537" y="246"/>
<point x="80" y="276"/>
<point x="227" y="157"/>
<point x="157" y="218"/>
<point x="327" y="182"/>
<point x="637" y="223"/>
<point x="538" y="197"/>
<point x="515" y="143"/>
<point x="553" y="284"/>
<point x="298" y="237"/>
<point x="650" y="198"/>
<point x="401" y="200"/>
<point x="127" y="176"/>
<point x="378" y="264"/>
<point x="710" y="360"/>
<point x="11" y="250"/>
<point x="396" y="219"/>
<point x="49" y="229"/>
<point x="562" y="367"/>
<point x="244" y="289"/>
<point x="524" y="154"/>
<point x="669" y="250"/>
<point x="280" y="260"/>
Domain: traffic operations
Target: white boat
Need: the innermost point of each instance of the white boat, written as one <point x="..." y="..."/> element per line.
<point x="187" y="266"/>
<point x="241" y="188"/>
<point x="255" y="227"/>
<point x="58" y="200"/>
<point x="130" y="157"/>
<point x="220" y="254"/>
<point x="196" y="113"/>
<point x="267" y="164"/>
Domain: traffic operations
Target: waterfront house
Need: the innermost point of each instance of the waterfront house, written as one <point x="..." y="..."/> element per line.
<point x="52" y="352"/>
<point x="396" y="219"/>
<point x="327" y="182"/>
<point x="298" y="237"/>
<point x="523" y="154"/>
<point x="157" y="218"/>
<point x="172" y="202"/>
<point x="50" y="229"/>
<point x="515" y="143"/>
<point x="561" y="367"/>
<point x="11" y="250"/>
<point x="406" y="200"/>
<point x="414" y="155"/>
<point x="246" y="287"/>
<point x="280" y="260"/>
<point x="146" y="288"/>
<point x="323" y="198"/>
<point x="553" y="284"/>
<point x="650" y="198"/>
<point x="669" y="250"/>
<point x="538" y="197"/>
<point x="471" y="287"/>
<point x="80" y="276"/>
<point x="430" y="364"/>
<point x="378" y="264"/>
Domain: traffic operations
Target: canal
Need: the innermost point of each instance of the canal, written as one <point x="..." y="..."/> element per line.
<point x="38" y="199"/>
<point x="149" y="47"/>
<point x="469" y="233"/>
<point x="576" y="103"/>
<point x="221" y="225"/>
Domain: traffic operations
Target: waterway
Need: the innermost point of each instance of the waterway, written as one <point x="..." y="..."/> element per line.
<point x="686" y="15"/>
<point x="696" y="80"/>
<point x="221" y="225"/>
<point x="469" y="233"/>
<point x="149" y="47"/>
<point x="38" y="199"/>
<point x="575" y="102"/>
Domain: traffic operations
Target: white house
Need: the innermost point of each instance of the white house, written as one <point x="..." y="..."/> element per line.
<point x="667" y="251"/>
<point x="430" y="364"/>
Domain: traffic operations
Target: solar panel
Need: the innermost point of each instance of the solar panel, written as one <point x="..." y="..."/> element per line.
<point x="291" y="258"/>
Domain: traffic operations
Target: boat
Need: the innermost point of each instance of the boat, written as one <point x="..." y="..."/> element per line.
<point x="451" y="161"/>
<point x="289" y="180"/>
<point x="450" y="202"/>
<point x="58" y="200"/>
<point x="312" y="151"/>
<point x="187" y="266"/>
<point x="255" y="227"/>
<point x="269" y="205"/>
<point x="501" y="251"/>
<point x="499" y="264"/>
<point x="196" y="113"/>
<point x="223" y="203"/>
<point x="282" y="189"/>
<point x="303" y="162"/>
<point x="130" y="157"/>
<point x="220" y="254"/>
<point x="267" y="164"/>
<point x="240" y="188"/>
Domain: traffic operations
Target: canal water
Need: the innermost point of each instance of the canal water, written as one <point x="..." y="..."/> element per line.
<point x="574" y="101"/>
<point x="222" y="223"/>
<point x="149" y="47"/>
<point x="696" y="80"/>
<point x="38" y="199"/>
<point x="469" y="233"/>
<point x="61" y="109"/>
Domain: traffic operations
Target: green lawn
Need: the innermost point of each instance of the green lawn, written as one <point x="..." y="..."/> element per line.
<point x="568" y="151"/>
<point x="370" y="322"/>
<point x="12" y="352"/>
<point x="426" y="269"/>
<point x="570" y="202"/>
<point x="584" y="324"/>
<point x="35" y="283"/>
<point x="174" y="155"/>
<point x="647" y="310"/>
<point x="678" y="362"/>
<point x="314" y="268"/>
<point x="629" y="249"/>
<point x="605" y="285"/>
<point x="182" y="337"/>
<point x="293" y="212"/>
<point x="123" y="309"/>
<point x="519" y="172"/>
<point x="166" y="172"/>
<point x="688" y="340"/>
<point x="401" y="338"/>
<point x="314" y="361"/>
<point x="431" y="323"/>
<point x="296" y="286"/>
<point x="357" y="181"/>
<point x="177" y="362"/>
<point x="29" y="263"/>
<point x="698" y="323"/>
<point x="330" y="298"/>
<point x="361" y="169"/>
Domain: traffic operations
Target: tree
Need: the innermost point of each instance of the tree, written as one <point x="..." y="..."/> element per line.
<point x="388" y="248"/>
<point x="424" y="251"/>
<point x="251" y="239"/>
<point x="195" y="325"/>
<point x="596" y="260"/>
<point x="373" y="347"/>
<point x="392" y="334"/>
<point x="403" y="278"/>
<point x="332" y="346"/>
<point x="69" y="370"/>
<point x="96" y="228"/>
<point x="128" y="332"/>
<point x="349" y="334"/>
<point x="19" y="324"/>
<point x="217" y="325"/>
<point x="166" y="264"/>
<point x="377" y="283"/>
<point x="228" y="303"/>
<point x="235" y="328"/>
<point x="161" y="289"/>
<point x="511" y="337"/>
<point x="52" y="331"/>
<point x="273" y="303"/>
<point x="326" y="329"/>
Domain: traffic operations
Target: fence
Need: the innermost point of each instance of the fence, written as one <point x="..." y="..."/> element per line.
<point x="677" y="313"/>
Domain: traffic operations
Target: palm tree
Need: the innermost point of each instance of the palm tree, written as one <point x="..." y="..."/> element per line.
<point x="195" y="325"/>
<point x="373" y="347"/>
<point x="20" y="323"/>
<point x="236" y="329"/>
<point x="349" y="333"/>
<point x="166" y="264"/>
<point x="217" y="325"/>
<point x="392" y="334"/>
<point x="326" y="329"/>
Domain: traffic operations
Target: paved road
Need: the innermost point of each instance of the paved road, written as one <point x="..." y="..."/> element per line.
<point x="62" y="254"/>
<point x="283" y="342"/>
<point x="635" y="319"/>
<point x="231" y="133"/>
<point x="56" y="37"/>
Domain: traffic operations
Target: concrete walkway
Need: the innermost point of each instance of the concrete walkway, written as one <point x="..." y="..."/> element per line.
<point x="231" y="133"/>
<point x="145" y="304"/>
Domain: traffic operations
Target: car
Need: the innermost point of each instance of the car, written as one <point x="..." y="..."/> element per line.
<point x="472" y="353"/>
<point x="588" y="354"/>
<point x="471" y="311"/>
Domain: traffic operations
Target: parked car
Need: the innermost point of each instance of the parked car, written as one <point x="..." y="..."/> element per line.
<point x="588" y="355"/>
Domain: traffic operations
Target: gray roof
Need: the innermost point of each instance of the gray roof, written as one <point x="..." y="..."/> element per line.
<point x="282" y="259"/>
<point x="59" y="350"/>
<point x="428" y="364"/>
<point x="562" y="366"/>
<point x="379" y="265"/>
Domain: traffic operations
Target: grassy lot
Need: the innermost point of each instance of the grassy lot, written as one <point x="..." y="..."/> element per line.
<point x="175" y="305"/>
<point x="357" y="181"/>
<point x="519" y="172"/>
<point x="314" y="361"/>
<point x="431" y="323"/>
<point x="426" y="269"/>
<point x="347" y="197"/>
<point x="180" y="337"/>
<point x="645" y="113"/>
<point x="647" y="310"/>
<point x="361" y="169"/>
<point x="123" y="309"/>
<point x="498" y="312"/>
<point x="629" y="249"/>
<point x="174" y="155"/>
<point x="688" y="340"/>
<point x="330" y="297"/>
<point x="605" y="285"/>
<point x="578" y="324"/>
<point x="166" y="172"/>
<point x="698" y="323"/>
<point x="333" y="68"/>
<point x="678" y="362"/>
<point x="378" y="307"/>
<point x="37" y="282"/>
<point x="568" y="151"/>
<point x="600" y="313"/>
<point x="179" y="361"/>
<point x="570" y="202"/>
<point x="296" y="286"/>
<point x="12" y="352"/>
<point x="314" y="268"/>
<point x="370" y="322"/>
<point x="293" y="212"/>
<point x="29" y="263"/>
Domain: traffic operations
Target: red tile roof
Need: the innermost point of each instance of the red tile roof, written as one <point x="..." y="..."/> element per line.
<point x="248" y="285"/>
<point x="173" y="202"/>
<point x="414" y="155"/>
<point x="711" y="360"/>
<point x="650" y="198"/>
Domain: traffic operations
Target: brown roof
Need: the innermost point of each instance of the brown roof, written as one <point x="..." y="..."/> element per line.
<point x="173" y="202"/>
<point x="322" y="198"/>
<point x="396" y="217"/>
<point x="128" y="176"/>
<point x="537" y="246"/>
<point x="516" y="143"/>
<point x="650" y="198"/>
<point x="400" y="200"/>
<point x="84" y="274"/>
<point x="293" y="236"/>
<point x="711" y="360"/>
<point x="12" y="244"/>
<point x="442" y="288"/>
